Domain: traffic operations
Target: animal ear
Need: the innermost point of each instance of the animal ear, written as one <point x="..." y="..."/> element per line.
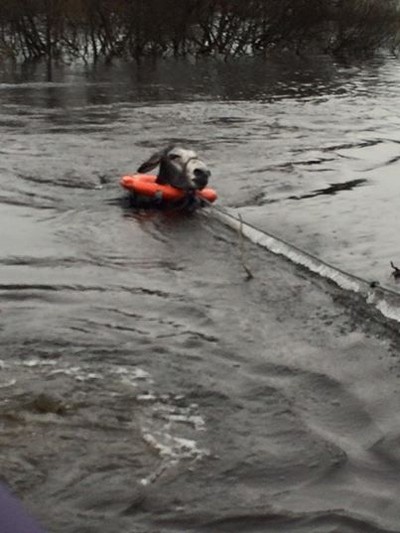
<point x="151" y="163"/>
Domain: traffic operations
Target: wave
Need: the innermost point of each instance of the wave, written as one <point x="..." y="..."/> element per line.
<point x="329" y="521"/>
<point x="386" y="301"/>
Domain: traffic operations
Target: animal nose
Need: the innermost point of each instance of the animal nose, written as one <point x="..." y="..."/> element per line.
<point x="201" y="176"/>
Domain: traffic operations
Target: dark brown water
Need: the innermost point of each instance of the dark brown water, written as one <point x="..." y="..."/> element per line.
<point x="145" y="386"/>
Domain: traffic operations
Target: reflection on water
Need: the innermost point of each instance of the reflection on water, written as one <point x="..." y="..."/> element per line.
<point x="242" y="79"/>
<point x="145" y="385"/>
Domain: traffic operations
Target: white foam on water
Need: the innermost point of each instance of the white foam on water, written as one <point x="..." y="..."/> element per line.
<point x="165" y="430"/>
<point x="146" y="397"/>
<point x="172" y="451"/>
<point x="9" y="383"/>
<point x="388" y="310"/>
<point x="194" y="420"/>
<point x="79" y="373"/>
<point x="132" y="377"/>
<point x="35" y="361"/>
<point x="136" y="372"/>
<point x="172" y="447"/>
<point x="167" y="420"/>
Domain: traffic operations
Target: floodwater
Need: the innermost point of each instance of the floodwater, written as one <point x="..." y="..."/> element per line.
<point x="145" y="385"/>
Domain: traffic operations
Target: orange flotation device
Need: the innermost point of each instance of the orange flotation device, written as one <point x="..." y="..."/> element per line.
<point x="145" y="185"/>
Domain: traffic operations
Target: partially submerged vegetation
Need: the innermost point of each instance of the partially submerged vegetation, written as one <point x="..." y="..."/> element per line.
<point x="93" y="29"/>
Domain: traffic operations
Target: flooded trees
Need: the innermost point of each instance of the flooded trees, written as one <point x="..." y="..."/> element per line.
<point x="364" y="25"/>
<point x="92" y="29"/>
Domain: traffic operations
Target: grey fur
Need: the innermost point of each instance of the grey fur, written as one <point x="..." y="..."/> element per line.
<point x="179" y="167"/>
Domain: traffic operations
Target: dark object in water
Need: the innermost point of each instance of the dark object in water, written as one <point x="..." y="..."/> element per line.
<point x="396" y="271"/>
<point x="333" y="189"/>
<point x="13" y="517"/>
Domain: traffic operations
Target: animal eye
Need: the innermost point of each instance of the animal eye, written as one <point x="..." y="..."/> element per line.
<point x="174" y="157"/>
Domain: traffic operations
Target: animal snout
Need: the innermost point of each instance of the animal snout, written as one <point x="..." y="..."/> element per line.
<point x="200" y="178"/>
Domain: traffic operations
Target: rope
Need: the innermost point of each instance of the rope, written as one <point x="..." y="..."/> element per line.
<point x="385" y="299"/>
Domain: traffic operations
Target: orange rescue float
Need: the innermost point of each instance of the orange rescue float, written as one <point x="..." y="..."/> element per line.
<point x="145" y="185"/>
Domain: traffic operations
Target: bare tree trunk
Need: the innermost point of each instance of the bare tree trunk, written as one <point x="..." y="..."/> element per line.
<point x="49" y="50"/>
<point x="136" y="28"/>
